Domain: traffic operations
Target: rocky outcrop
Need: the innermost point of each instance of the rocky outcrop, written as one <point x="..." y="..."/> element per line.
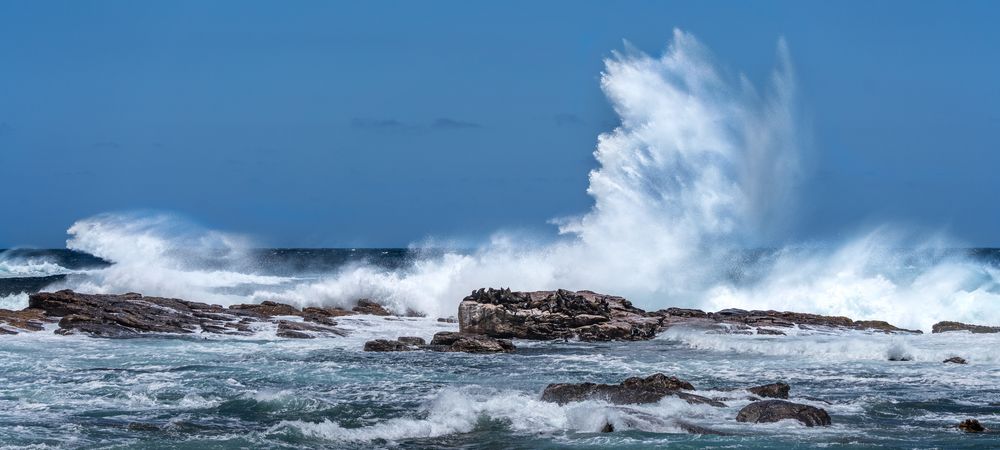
<point x="774" y="410"/>
<point x="956" y="360"/>
<point x="445" y="341"/>
<point x="132" y="315"/>
<point x="387" y="345"/>
<point x="945" y="327"/>
<point x="450" y="341"/>
<point x="590" y="316"/>
<point x="768" y="322"/>
<point x="366" y="306"/>
<point x="560" y="314"/>
<point x="971" y="426"/>
<point x="29" y="319"/>
<point x="633" y="390"/>
<point x="773" y="390"/>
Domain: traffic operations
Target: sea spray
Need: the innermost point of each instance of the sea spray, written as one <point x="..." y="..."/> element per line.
<point x="701" y="170"/>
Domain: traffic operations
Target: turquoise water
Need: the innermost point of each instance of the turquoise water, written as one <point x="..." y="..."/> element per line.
<point x="78" y="392"/>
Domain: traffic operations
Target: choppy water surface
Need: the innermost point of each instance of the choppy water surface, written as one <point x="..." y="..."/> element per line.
<point x="80" y="392"/>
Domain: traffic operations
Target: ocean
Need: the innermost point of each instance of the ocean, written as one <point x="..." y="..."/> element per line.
<point x="209" y="391"/>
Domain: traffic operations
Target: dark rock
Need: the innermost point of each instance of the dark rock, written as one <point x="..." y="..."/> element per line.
<point x="366" y="306"/>
<point x="633" y="390"/>
<point x="470" y="343"/>
<point x="944" y="327"/>
<point x="301" y="330"/>
<point x="268" y="309"/>
<point x="769" y="320"/>
<point x="775" y="410"/>
<point x="956" y="360"/>
<point x="607" y="428"/>
<point x="773" y="390"/>
<point x="447" y="320"/>
<point x="557" y="314"/>
<point x="412" y="340"/>
<point x="386" y="345"/>
<point x="769" y="331"/>
<point x="132" y="315"/>
<point x="971" y="426"/>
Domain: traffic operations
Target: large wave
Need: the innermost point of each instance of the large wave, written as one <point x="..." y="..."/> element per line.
<point x="702" y="167"/>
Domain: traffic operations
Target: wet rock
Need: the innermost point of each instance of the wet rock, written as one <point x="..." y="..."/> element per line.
<point x="773" y="390"/>
<point x="769" y="322"/>
<point x="132" y="315"/>
<point x="268" y="309"/>
<point x="956" y="360"/>
<point x="469" y="343"/>
<point x="633" y="390"/>
<point x="386" y="345"/>
<point x="29" y="319"/>
<point x="945" y="327"/>
<point x="560" y="314"/>
<point x="774" y="410"/>
<point x="447" y="320"/>
<point x="769" y="331"/>
<point x="971" y="426"/>
<point x="301" y="330"/>
<point x="366" y="306"/>
<point x="607" y="428"/>
<point x="412" y="340"/>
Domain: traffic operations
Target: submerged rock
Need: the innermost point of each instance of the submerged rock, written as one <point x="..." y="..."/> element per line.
<point x="945" y="327"/>
<point x="971" y="426"/>
<point x="633" y="390"/>
<point x="956" y="360"/>
<point x="132" y="315"/>
<point x="773" y="390"/>
<point x="560" y="314"/>
<point x="774" y="410"/>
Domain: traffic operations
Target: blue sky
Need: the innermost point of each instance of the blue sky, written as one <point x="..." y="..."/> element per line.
<point x="382" y="123"/>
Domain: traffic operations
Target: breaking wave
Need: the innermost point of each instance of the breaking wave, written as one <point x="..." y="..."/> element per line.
<point x="702" y="167"/>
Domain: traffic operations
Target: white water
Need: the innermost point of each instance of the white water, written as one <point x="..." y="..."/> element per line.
<point x="702" y="165"/>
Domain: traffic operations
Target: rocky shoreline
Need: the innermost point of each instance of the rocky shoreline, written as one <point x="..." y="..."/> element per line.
<point x="487" y="321"/>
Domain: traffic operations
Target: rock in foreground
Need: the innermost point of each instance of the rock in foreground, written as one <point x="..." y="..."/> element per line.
<point x="774" y="410"/>
<point x="633" y="390"/>
<point x="560" y="314"/>
<point x="133" y="315"/>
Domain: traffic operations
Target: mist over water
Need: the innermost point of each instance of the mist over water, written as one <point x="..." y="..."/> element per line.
<point x="701" y="170"/>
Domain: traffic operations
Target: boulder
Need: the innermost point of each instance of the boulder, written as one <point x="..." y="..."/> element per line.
<point x="774" y="410"/>
<point x="387" y="345"/>
<point x="132" y="315"/>
<point x="956" y="360"/>
<point x="633" y="390"/>
<point x="971" y="426"/>
<point x="945" y="327"/>
<point x="450" y="341"/>
<point x="366" y="306"/>
<point x="560" y="314"/>
<point x="412" y="340"/>
<point x="773" y="390"/>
